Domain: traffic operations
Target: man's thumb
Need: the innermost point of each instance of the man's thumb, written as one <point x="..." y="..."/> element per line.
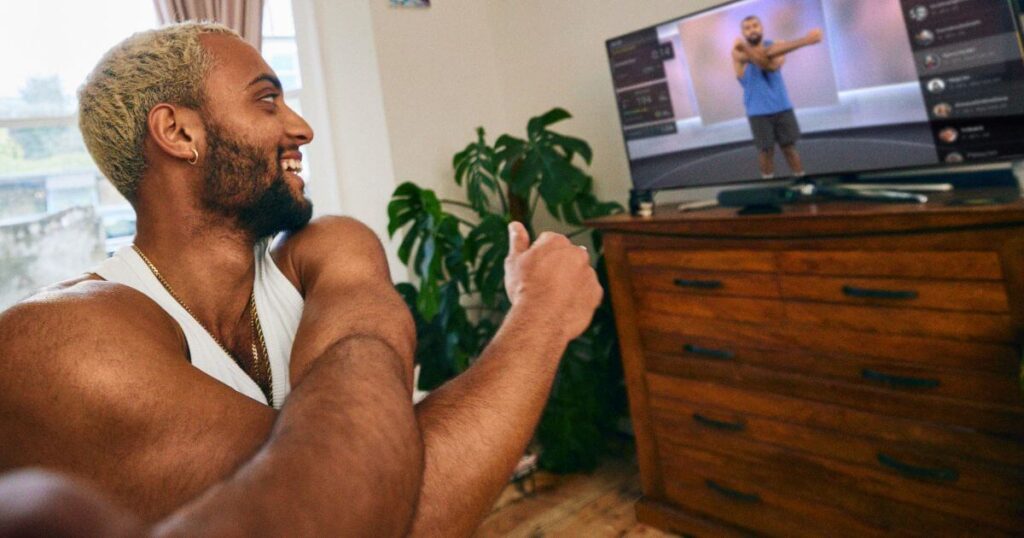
<point x="518" y="239"/>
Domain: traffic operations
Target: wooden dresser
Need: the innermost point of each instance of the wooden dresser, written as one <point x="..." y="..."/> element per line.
<point x="840" y="369"/>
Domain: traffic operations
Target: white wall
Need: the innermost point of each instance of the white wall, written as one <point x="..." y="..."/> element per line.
<point x="405" y="88"/>
<point x="359" y="141"/>
<point x="441" y="77"/>
<point x="496" y="63"/>
<point x="553" y="53"/>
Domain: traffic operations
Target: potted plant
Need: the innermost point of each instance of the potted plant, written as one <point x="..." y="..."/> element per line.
<point x="456" y="250"/>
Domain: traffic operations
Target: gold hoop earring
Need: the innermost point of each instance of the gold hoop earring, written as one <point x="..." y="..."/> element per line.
<point x="195" y="157"/>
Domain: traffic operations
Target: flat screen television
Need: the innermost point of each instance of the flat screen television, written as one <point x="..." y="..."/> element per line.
<point x="872" y="85"/>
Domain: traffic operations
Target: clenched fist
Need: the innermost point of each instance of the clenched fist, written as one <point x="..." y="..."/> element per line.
<point x="552" y="280"/>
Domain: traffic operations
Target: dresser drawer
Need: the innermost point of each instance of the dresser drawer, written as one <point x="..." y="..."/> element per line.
<point x="971" y="296"/>
<point x="664" y="348"/>
<point x="725" y="308"/>
<point x="670" y="517"/>
<point x="728" y="431"/>
<point x="704" y="260"/>
<point x="991" y="418"/>
<point x="956" y="444"/>
<point x="700" y="484"/>
<point x="958" y="265"/>
<point x="976" y="326"/>
<point x="848" y="495"/>
<point x="727" y="283"/>
<point x="999" y="359"/>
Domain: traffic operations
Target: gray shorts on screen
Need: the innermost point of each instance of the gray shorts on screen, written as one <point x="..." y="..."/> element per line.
<point x="781" y="129"/>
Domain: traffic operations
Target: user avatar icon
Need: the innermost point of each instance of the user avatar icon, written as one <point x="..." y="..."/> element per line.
<point x="924" y="37"/>
<point x="954" y="157"/>
<point x="936" y="85"/>
<point x="931" y="61"/>
<point x="949" y="135"/>
<point x="942" y="110"/>
<point x="918" y="13"/>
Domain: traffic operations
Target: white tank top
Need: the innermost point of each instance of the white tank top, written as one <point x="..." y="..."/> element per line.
<point x="278" y="302"/>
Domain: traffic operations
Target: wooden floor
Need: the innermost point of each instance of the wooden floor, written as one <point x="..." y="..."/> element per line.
<point x="595" y="505"/>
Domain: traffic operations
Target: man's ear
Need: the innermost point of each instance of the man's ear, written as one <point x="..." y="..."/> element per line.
<point x="175" y="130"/>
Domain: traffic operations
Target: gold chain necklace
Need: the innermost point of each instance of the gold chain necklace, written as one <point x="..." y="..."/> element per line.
<point x="262" y="374"/>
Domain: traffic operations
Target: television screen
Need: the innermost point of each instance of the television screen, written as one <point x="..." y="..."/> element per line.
<point x="759" y="89"/>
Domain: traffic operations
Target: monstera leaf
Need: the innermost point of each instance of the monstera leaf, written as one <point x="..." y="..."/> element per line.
<point x="584" y="206"/>
<point x="477" y="167"/>
<point x="545" y="161"/>
<point x="432" y="241"/>
<point x="488" y="245"/>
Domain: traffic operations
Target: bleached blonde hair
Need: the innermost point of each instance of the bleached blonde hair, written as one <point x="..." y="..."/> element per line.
<point x="165" y="65"/>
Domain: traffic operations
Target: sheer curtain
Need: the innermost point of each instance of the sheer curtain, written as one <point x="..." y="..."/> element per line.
<point x="242" y="16"/>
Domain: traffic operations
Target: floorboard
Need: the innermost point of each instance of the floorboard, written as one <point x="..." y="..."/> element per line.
<point x="599" y="504"/>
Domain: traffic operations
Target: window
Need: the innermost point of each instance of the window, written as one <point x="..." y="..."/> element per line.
<point x="58" y="214"/>
<point x="44" y="166"/>
<point x="280" y="50"/>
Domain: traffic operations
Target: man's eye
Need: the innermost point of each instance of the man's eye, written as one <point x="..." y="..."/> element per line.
<point x="269" y="98"/>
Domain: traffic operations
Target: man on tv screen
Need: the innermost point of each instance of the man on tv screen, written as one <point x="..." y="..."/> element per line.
<point x="757" y="63"/>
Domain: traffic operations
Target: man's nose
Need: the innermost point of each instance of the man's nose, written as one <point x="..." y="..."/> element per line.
<point x="298" y="128"/>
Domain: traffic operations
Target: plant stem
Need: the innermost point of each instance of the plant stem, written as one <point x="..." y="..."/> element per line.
<point x="458" y="203"/>
<point x="464" y="221"/>
<point x="533" y="206"/>
<point x="577" y="232"/>
<point x="501" y="195"/>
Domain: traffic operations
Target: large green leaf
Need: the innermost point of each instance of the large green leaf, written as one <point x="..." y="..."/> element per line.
<point x="538" y="124"/>
<point x="487" y="246"/>
<point x="404" y="207"/>
<point x="477" y="166"/>
<point x="559" y="181"/>
<point x="570" y="146"/>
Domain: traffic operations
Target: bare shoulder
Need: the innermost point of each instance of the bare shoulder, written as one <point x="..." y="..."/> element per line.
<point x="94" y="383"/>
<point x="334" y="244"/>
<point x="81" y="315"/>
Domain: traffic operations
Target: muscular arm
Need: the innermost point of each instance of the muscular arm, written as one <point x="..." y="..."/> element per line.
<point x="772" y="57"/>
<point x="343" y="459"/>
<point x="94" y="383"/>
<point x="476" y="426"/>
<point x="740" y="58"/>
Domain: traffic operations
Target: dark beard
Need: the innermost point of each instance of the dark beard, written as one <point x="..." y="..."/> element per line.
<point x="235" y="186"/>
<point x="754" y="40"/>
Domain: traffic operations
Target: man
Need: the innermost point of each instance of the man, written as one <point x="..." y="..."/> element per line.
<point x="149" y="379"/>
<point x="757" y="63"/>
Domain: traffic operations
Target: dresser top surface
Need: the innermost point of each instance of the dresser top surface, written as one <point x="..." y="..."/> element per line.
<point x="964" y="209"/>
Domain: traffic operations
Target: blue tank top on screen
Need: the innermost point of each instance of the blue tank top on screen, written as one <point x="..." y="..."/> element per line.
<point x="764" y="92"/>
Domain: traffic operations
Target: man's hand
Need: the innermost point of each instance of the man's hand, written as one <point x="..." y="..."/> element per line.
<point x="814" y="36"/>
<point x="739" y="45"/>
<point x="553" y="279"/>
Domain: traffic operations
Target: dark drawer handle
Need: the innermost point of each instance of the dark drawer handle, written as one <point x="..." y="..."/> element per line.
<point x="720" y="424"/>
<point x="899" y="380"/>
<point x="699" y="284"/>
<point x="731" y="493"/>
<point x="912" y="471"/>
<point x="718" y="354"/>
<point x="854" y="291"/>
